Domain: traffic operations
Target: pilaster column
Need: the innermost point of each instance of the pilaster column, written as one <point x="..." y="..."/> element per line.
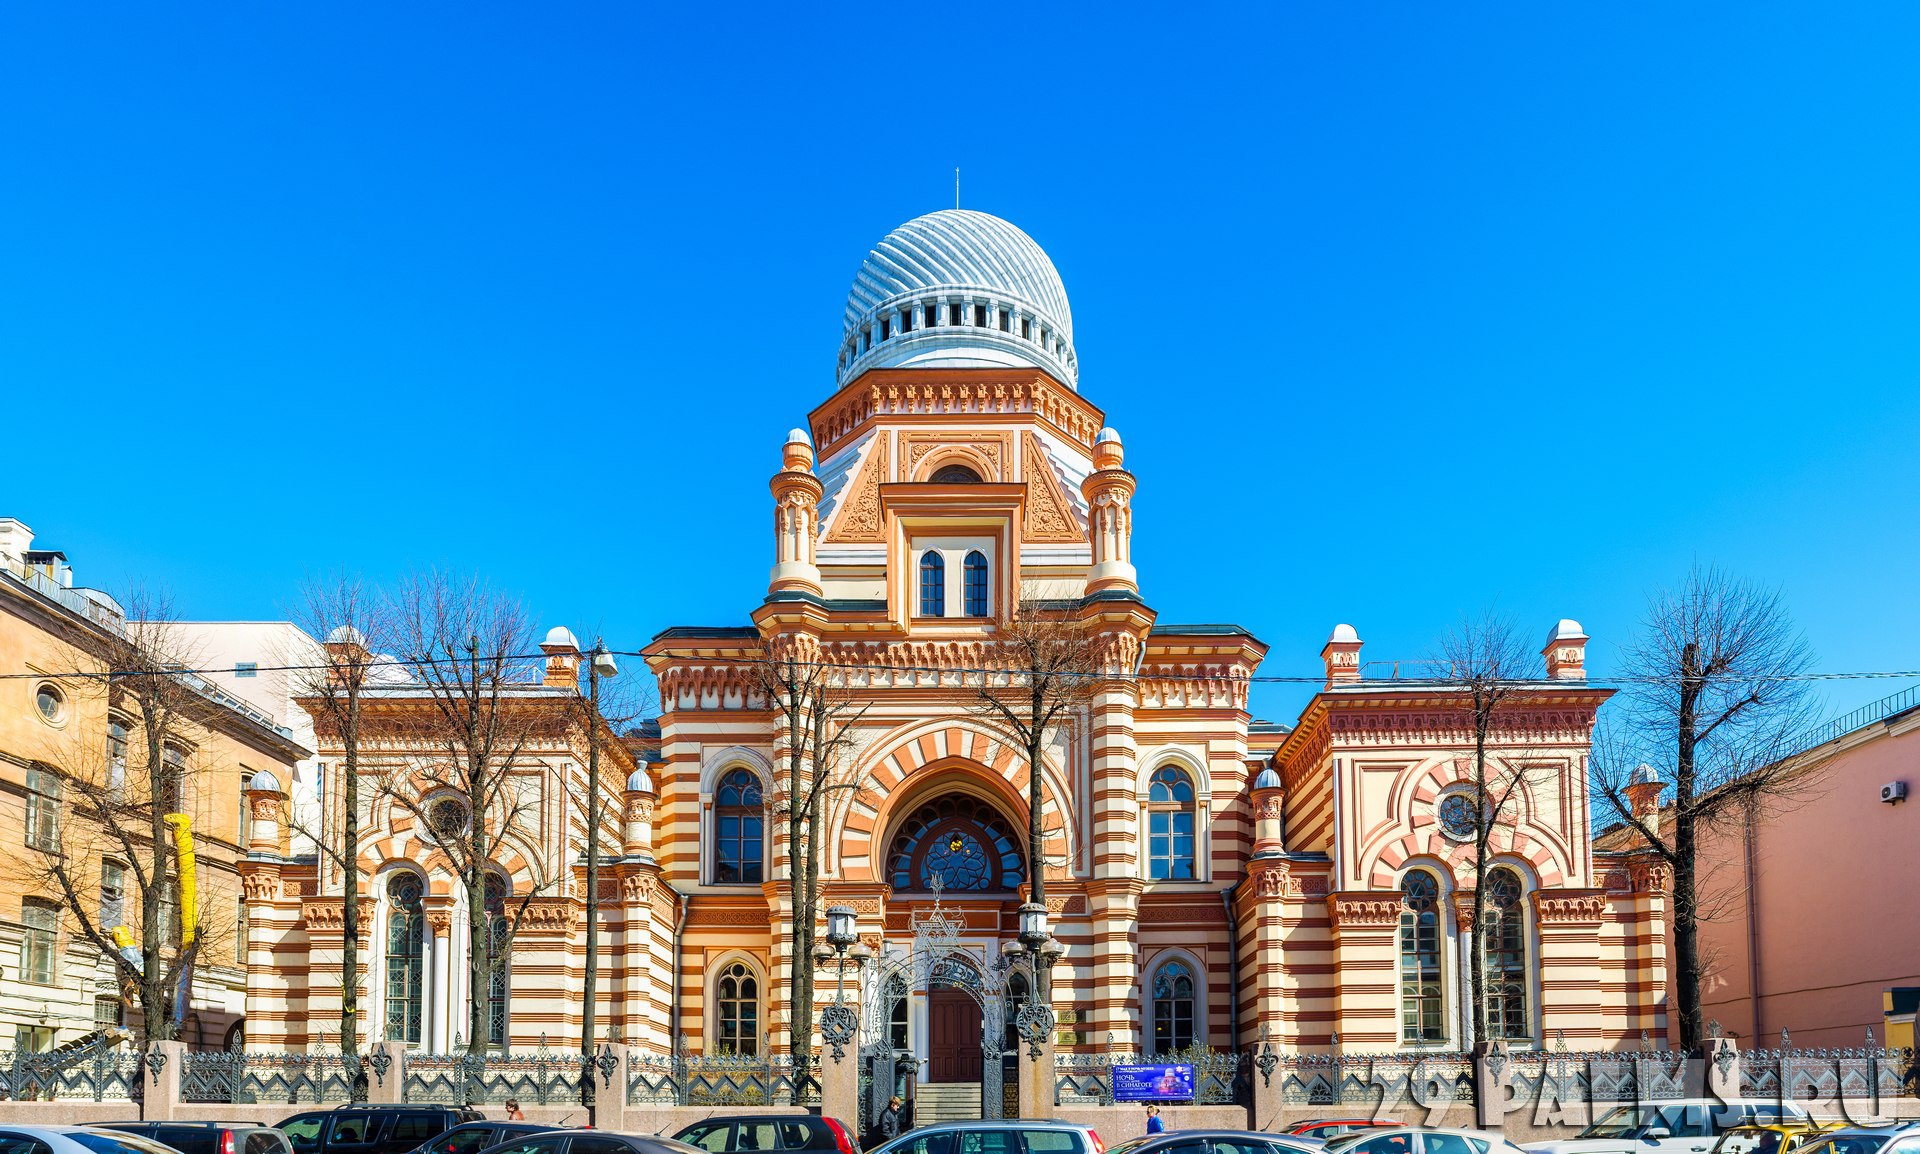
<point x="1570" y="976"/>
<point x="1366" y="1010"/>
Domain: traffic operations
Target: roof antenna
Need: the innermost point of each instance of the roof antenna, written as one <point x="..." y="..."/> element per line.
<point x="956" y="188"/>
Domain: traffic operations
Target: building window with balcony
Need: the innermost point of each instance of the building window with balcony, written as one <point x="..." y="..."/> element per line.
<point x="45" y="798"/>
<point x="41" y="920"/>
<point x="737" y="1010"/>
<point x="975" y="571"/>
<point x="1174" y="1007"/>
<point x="1503" y="943"/>
<point x="405" y="956"/>
<point x="1421" y="1004"/>
<point x="1170" y="825"/>
<point x="739" y="841"/>
<point x="933" y="584"/>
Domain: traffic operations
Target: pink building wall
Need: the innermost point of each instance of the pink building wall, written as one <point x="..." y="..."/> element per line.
<point x="1815" y="909"/>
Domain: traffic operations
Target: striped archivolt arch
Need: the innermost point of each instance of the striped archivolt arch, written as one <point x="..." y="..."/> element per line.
<point x="1413" y="831"/>
<point x="922" y="761"/>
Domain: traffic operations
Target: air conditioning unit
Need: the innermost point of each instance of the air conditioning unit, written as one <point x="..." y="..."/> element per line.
<point x="1893" y="791"/>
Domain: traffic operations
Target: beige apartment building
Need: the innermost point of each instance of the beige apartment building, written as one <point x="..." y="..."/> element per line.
<point x="68" y="735"/>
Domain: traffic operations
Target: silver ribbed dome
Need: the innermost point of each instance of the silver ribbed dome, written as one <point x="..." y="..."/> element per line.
<point x="995" y="300"/>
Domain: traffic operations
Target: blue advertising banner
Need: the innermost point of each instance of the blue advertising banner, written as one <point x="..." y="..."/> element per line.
<point x="1153" y="1083"/>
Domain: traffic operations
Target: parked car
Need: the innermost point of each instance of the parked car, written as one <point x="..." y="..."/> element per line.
<point x="1864" y="1140"/>
<point x="1673" y="1126"/>
<point x="208" y="1137"/>
<point x="1218" y="1142"/>
<point x="1775" y="1138"/>
<point x="590" y="1142"/>
<point x="75" y="1140"/>
<point x="751" y="1132"/>
<point x="1012" y="1137"/>
<point x="1334" y="1127"/>
<point x="1420" y="1140"/>
<point x="372" y="1129"/>
<point x="473" y="1137"/>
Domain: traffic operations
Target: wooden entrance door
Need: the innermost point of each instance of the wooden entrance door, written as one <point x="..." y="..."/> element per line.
<point x="953" y="1036"/>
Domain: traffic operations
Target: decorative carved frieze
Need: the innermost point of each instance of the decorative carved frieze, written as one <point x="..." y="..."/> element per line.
<point x="1570" y="907"/>
<point x="329" y="915"/>
<point x="858" y="517"/>
<point x="265" y="807"/>
<point x="260" y="886"/>
<point x="1366" y="726"/>
<point x="986" y="452"/>
<point x="550" y="916"/>
<point x="640" y="809"/>
<point x="887" y="396"/>
<point x="1356" y="909"/>
<point x="637" y="889"/>
<point x="1194" y="686"/>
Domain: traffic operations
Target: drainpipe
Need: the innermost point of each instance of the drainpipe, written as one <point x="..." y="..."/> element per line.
<point x="1749" y="833"/>
<point x="679" y="928"/>
<point x="1233" y="967"/>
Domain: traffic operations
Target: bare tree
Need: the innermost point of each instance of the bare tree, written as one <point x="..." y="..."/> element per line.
<point x="466" y="647"/>
<point x="1484" y="661"/>
<point x="1050" y="672"/>
<point x="130" y="784"/>
<point x="818" y="713"/>
<point x="342" y="611"/>
<point x="1714" y="692"/>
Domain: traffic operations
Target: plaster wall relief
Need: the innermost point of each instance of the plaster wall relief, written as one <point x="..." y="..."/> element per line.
<point x="1049" y="513"/>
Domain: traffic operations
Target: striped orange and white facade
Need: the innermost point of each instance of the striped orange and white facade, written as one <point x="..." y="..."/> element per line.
<point x="1213" y="880"/>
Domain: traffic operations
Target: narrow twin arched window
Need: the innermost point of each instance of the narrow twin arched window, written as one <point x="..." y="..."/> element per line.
<point x="739" y="846"/>
<point x="1170" y="824"/>
<point x="933" y="584"/>
<point x="1421" y="1002"/>
<point x="1173" y="1008"/>
<point x="1503" y="943"/>
<point x="499" y="959"/>
<point x="406" y="950"/>
<point x="737" y="1010"/>
<point x="976" y="574"/>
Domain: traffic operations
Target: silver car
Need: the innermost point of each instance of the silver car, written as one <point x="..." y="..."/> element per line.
<point x="75" y="1140"/>
<point x="994" y="1138"/>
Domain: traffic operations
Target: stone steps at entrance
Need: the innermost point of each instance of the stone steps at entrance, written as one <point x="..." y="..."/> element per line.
<point x="946" y="1102"/>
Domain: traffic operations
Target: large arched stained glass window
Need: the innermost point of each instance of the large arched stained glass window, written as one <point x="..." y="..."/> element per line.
<point x="960" y="841"/>
<point x="1170" y="824"/>
<point x="1503" y="944"/>
<point x="1421" y="1002"/>
<point x="739" y="844"/>
<point x="737" y="1010"/>
<point x="1173" y="1007"/>
<point x="933" y="584"/>
<point x="975" y="570"/>
<point x="406" y="950"/>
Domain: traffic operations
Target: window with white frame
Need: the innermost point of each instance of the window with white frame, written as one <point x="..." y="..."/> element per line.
<point x="933" y="584"/>
<point x="45" y="799"/>
<point x="1170" y="824"/>
<point x="41" y="920"/>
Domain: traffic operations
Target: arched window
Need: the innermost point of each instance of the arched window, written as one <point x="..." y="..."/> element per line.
<point x="1173" y="1007"/>
<point x="499" y="959"/>
<point x="962" y="842"/>
<point x="737" y="1010"/>
<point x="1503" y="944"/>
<point x="1170" y="824"/>
<point x="739" y="846"/>
<point x="933" y="584"/>
<point x="975" y="570"/>
<point x="954" y="475"/>
<point x="1420" y="987"/>
<point x="406" y="948"/>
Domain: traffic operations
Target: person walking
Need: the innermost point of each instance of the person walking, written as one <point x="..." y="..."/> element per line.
<point x="513" y="1111"/>
<point x="890" y="1119"/>
<point x="1154" y="1123"/>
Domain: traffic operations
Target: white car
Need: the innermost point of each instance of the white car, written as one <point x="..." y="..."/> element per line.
<point x="1420" y="1140"/>
<point x="75" y="1140"/>
<point x="1672" y="1126"/>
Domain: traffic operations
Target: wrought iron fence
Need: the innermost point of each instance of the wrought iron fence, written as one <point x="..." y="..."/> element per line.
<point x="541" y="1077"/>
<point x="1383" y="1081"/>
<point x="1598" y="1075"/>
<point x="311" y="1078"/>
<point x="683" y="1079"/>
<point x="1817" y="1074"/>
<point x="106" y="1074"/>
<point x="1087" y="1079"/>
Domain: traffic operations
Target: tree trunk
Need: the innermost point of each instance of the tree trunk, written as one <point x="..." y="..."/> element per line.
<point x="156" y="1004"/>
<point x="350" y="896"/>
<point x="1686" y="929"/>
<point x="1475" y="956"/>
<point x="592" y="976"/>
<point x="1036" y="842"/>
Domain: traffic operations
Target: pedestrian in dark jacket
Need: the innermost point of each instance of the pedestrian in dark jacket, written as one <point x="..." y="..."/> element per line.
<point x="890" y="1119"/>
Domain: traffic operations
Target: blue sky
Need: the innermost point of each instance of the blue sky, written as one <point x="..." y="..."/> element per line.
<point x="1404" y="310"/>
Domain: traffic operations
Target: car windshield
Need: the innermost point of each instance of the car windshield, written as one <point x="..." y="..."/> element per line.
<point x="1634" y="1121"/>
<point x="101" y="1143"/>
<point x="1846" y="1144"/>
<point x="1129" y="1145"/>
